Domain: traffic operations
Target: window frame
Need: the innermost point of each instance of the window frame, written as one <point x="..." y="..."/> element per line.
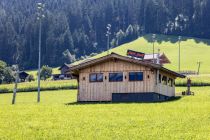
<point x="97" y="75"/>
<point x="116" y="73"/>
<point x="136" y="76"/>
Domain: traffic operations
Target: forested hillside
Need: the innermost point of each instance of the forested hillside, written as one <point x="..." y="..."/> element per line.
<point x="80" y="26"/>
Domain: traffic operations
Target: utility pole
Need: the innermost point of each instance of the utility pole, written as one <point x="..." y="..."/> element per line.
<point x="179" y="65"/>
<point x="40" y="16"/>
<point x="153" y="40"/>
<point x="158" y="57"/>
<point x="16" y="69"/>
<point x="108" y="33"/>
<point x="199" y="65"/>
<point x="158" y="71"/>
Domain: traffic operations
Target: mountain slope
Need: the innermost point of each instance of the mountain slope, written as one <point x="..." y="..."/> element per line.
<point x="80" y="26"/>
<point x="192" y="51"/>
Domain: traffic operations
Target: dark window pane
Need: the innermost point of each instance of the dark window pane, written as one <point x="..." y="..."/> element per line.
<point x="139" y="76"/>
<point x="132" y="76"/>
<point x="119" y="77"/>
<point x="159" y="78"/>
<point x="93" y="77"/>
<point x="96" y="77"/>
<point x="170" y="82"/>
<point x="164" y="80"/>
<point x="115" y="77"/>
<point x="136" y="76"/>
<point x="100" y="77"/>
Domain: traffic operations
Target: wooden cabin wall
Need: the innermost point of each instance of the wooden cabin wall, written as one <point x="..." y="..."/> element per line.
<point x="102" y="91"/>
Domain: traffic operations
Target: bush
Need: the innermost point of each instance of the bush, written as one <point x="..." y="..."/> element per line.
<point x="30" y="78"/>
<point x="2" y="68"/>
<point x="46" y="72"/>
<point x="8" y="75"/>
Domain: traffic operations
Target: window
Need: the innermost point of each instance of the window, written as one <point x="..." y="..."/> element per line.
<point x="96" y="77"/>
<point x="115" y="77"/>
<point x="164" y="80"/>
<point x="136" y="76"/>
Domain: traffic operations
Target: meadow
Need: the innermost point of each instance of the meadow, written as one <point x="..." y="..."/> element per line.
<point x="58" y="116"/>
<point x="192" y="51"/>
<point x="45" y="85"/>
<point x="197" y="80"/>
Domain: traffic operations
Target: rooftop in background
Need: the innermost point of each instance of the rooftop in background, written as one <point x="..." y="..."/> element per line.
<point x="163" y="58"/>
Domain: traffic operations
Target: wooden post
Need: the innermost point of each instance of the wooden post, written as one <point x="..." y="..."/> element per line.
<point x="188" y="86"/>
<point x="78" y="89"/>
<point x="199" y="65"/>
<point x="16" y="83"/>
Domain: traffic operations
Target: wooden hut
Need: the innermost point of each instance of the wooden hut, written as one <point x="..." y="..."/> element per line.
<point x="23" y="75"/>
<point x="63" y="73"/>
<point x="64" y="68"/>
<point x="123" y="79"/>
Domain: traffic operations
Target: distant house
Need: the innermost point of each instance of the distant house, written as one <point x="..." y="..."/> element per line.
<point x="23" y="75"/>
<point x="124" y="79"/>
<point x="63" y="73"/>
<point x="162" y="58"/>
<point x="64" y="68"/>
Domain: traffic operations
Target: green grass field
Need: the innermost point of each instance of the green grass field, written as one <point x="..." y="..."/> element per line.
<point x="192" y="51"/>
<point x="59" y="117"/>
<point x="197" y="80"/>
<point x="45" y="85"/>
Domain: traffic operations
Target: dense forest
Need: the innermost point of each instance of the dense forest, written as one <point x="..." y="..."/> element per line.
<point x="80" y="26"/>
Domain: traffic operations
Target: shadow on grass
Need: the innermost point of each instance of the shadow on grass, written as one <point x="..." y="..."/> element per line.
<point x="173" y="99"/>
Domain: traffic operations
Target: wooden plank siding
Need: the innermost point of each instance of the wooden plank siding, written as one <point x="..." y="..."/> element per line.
<point x="102" y="91"/>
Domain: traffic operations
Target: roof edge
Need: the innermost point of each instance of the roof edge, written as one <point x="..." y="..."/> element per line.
<point x="115" y="55"/>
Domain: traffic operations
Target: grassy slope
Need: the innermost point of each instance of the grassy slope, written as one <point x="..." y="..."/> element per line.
<point x="192" y="51"/>
<point x="186" y="118"/>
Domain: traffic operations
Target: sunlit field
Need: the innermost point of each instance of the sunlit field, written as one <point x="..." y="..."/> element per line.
<point x="45" y="85"/>
<point x="58" y="116"/>
<point x="197" y="80"/>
